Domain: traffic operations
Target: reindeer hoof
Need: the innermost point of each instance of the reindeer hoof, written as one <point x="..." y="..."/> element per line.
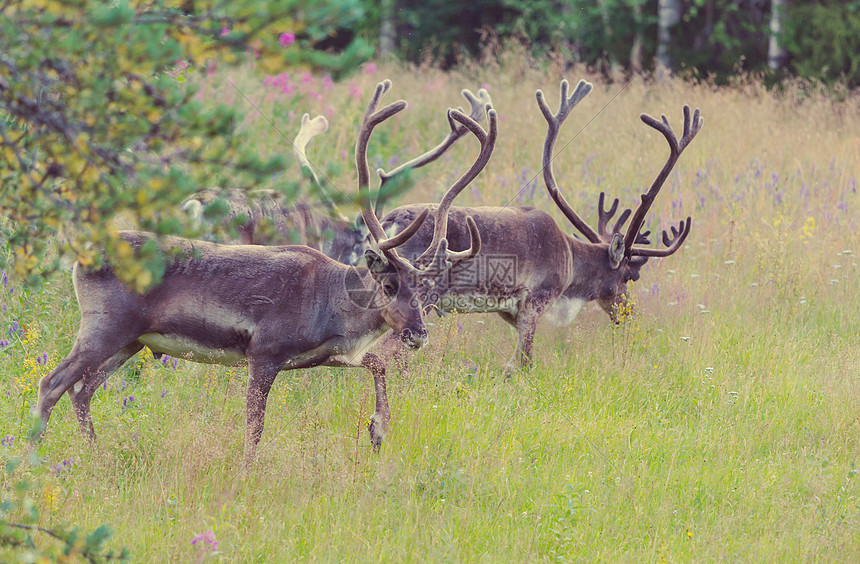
<point x="510" y="369"/>
<point x="377" y="428"/>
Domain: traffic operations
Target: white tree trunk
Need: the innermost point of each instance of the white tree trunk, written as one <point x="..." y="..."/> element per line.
<point x="668" y="15"/>
<point x="386" y="29"/>
<point x="775" y="52"/>
<point x="636" y="48"/>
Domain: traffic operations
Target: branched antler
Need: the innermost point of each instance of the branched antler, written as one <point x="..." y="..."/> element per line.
<point x="439" y="245"/>
<point x="438" y="251"/>
<point x="554" y="122"/>
<point x="372" y="118"/>
<point x="605" y="215"/>
<point x="691" y="129"/>
<point x="310" y="128"/>
<point x="479" y="103"/>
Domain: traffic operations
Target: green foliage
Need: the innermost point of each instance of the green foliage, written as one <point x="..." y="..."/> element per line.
<point x="28" y="489"/>
<point x="715" y="38"/>
<point x="99" y="123"/>
<point x="722" y="37"/>
<point x="823" y="39"/>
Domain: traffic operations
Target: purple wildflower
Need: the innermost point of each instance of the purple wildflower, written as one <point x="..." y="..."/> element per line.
<point x="4" y="343"/>
<point x="8" y="440"/>
<point x="286" y="39"/>
<point x="5" y="279"/>
<point x="127" y="401"/>
<point x="163" y="393"/>
<point x="206" y="541"/>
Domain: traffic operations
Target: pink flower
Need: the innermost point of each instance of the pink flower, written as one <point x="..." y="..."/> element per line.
<point x="370" y="68"/>
<point x="225" y="31"/>
<point x="354" y="90"/>
<point x="486" y="87"/>
<point x="287" y="39"/>
<point x="206" y="542"/>
<point x="327" y="82"/>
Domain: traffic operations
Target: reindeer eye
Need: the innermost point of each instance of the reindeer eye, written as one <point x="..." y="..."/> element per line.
<point x="390" y="288"/>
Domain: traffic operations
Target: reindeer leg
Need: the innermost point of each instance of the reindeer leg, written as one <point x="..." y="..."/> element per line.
<point x="81" y="393"/>
<point x="379" y="421"/>
<point x="392" y="347"/>
<point x="261" y="376"/>
<point x="525" y="322"/>
<point x="90" y="351"/>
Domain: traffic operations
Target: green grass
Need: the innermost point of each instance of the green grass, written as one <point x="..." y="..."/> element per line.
<point x="721" y="423"/>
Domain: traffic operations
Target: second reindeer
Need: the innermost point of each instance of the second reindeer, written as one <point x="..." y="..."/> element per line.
<point x="529" y="267"/>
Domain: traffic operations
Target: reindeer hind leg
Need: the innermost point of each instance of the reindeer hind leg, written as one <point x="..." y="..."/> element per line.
<point x="81" y="393"/>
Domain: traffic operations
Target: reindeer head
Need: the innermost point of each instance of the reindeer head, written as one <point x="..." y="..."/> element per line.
<point x="612" y="260"/>
<point x="398" y="279"/>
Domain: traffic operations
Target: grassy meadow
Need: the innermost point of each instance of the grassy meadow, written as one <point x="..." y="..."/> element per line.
<point x="719" y="423"/>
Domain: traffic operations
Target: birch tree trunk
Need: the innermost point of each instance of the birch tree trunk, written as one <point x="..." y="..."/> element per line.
<point x="386" y="29"/>
<point x="636" y="48"/>
<point x="668" y="15"/>
<point x="775" y="51"/>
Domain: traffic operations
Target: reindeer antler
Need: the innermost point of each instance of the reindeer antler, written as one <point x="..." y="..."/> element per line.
<point x="372" y="118"/>
<point x="603" y="217"/>
<point x="439" y="245"/>
<point x="691" y="128"/>
<point x="310" y="128"/>
<point x="479" y="103"/>
<point x="554" y="122"/>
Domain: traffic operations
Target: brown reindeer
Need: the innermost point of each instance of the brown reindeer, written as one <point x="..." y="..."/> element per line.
<point x="529" y="267"/>
<point x="265" y="217"/>
<point x="274" y="308"/>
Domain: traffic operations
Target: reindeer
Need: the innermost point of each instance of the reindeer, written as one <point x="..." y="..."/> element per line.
<point x="274" y="308"/>
<point x="529" y="267"/>
<point x="264" y="217"/>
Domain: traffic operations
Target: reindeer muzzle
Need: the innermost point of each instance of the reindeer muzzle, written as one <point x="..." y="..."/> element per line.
<point x="414" y="339"/>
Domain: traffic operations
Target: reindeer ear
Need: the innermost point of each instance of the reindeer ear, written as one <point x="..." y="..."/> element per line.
<point x="616" y="251"/>
<point x="375" y="263"/>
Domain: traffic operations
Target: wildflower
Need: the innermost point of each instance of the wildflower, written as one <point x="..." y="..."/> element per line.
<point x="354" y="90"/>
<point x="127" y="401"/>
<point x="8" y="440"/>
<point x="370" y="68"/>
<point x="486" y="87"/>
<point x="225" y="31"/>
<point x="4" y="343"/>
<point x="5" y="279"/>
<point x="63" y="466"/>
<point x="163" y="393"/>
<point x="206" y="541"/>
<point x="286" y="39"/>
<point x="327" y="82"/>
